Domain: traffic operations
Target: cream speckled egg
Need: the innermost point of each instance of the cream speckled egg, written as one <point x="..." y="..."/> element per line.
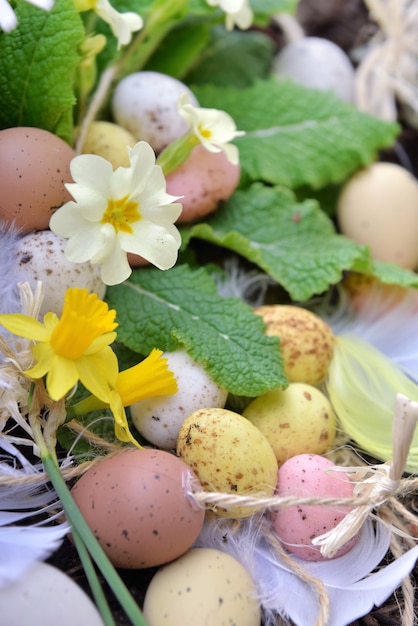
<point x="204" y="586"/>
<point x="34" y="167"/>
<point x="159" y="419"/>
<point x="228" y="454"/>
<point x="109" y="141"/>
<point x="145" y="103"/>
<point x="40" y="256"/>
<point x="378" y="207"/>
<point x="295" y="420"/>
<point x="45" y="595"/>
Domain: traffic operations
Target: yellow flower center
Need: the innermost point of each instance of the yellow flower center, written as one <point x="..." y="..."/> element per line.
<point x="84" y="319"/>
<point x="205" y="132"/>
<point x="121" y="213"/>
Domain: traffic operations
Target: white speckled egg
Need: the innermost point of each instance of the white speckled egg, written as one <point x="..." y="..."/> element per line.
<point x="316" y="63"/>
<point x="45" y="595"/>
<point x="136" y="505"/>
<point x="307" y="475"/>
<point x="40" y="256"/>
<point x="378" y="207"/>
<point x="145" y="103"/>
<point x="204" y="586"/>
<point x="159" y="419"/>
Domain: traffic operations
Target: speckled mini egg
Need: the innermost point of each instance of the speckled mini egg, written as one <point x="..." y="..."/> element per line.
<point x="42" y="594"/>
<point x="295" y="420"/>
<point x="203" y="181"/>
<point x="136" y="506"/>
<point x="34" y="165"/>
<point x="306" y="341"/>
<point x="229" y="455"/>
<point x="40" y="256"/>
<point x="145" y="103"/>
<point x="109" y="141"/>
<point x="204" y="586"/>
<point x="307" y="475"/>
<point x="378" y="207"/>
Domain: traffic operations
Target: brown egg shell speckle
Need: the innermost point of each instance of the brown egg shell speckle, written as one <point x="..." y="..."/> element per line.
<point x="34" y="165"/>
<point x="135" y="504"/>
<point x="40" y="256"/>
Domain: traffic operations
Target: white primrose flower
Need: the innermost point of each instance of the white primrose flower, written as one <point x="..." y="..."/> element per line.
<point x="122" y="24"/>
<point x="8" y="19"/>
<point x="238" y="12"/>
<point x="116" y="212"/>
<point x="214" y="128"/>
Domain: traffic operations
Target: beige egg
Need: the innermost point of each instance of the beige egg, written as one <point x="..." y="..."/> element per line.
<point x="306" y="341"/>
<point x="40" y="256"/>
<point x="204" y="586"/>
<point x="296" y="420"/>
<point x="228" y="455"/>
<point x="378" y="207"/>
<point x="109" y="141"/>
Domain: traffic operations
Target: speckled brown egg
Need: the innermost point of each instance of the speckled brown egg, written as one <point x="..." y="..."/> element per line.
<point x="203" y="181"/>
<point x="306" y="341"/>
<point x="40" y="256"/>
<point x="34" y="165"/>
<point x="136" y="506"/>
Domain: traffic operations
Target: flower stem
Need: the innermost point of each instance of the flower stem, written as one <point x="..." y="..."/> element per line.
<point x="85" y="535"/>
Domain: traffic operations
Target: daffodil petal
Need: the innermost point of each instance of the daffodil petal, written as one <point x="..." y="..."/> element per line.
<point x="24" y="326"/>
<point x="61" y="377"/>
<point x="151" y="377"/>
<point x="97" y="372"/>
<point x="122" y="431"/>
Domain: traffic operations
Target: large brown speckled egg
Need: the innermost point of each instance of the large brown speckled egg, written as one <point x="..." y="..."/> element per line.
<point x="34" y="165"/>
<point x="136" y="505"/>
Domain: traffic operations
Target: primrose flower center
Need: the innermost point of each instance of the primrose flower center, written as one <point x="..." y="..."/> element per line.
<point x="205" y="132"/>
<point x="121" y="213"/>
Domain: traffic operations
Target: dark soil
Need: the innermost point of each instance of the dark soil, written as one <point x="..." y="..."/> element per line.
<point x="346" y="23"/>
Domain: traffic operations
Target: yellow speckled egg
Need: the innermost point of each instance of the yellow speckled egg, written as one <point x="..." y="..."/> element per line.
<point x="204" y="586"/>
<point x="34" y="167"/>
<point x="295" y="420"/>
<point x="229" y="455"/>
<point x="378" y="207"/>
<point x="109" y="141"/>
<point x="306" y="341"/>
<point x="136" y="505"/>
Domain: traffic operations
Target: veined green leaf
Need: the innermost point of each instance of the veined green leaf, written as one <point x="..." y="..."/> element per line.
<point x="297" y="136"/>
<point x="293" y="242"/>
<point x="37" y="66"/>
<point x="181" y="308"/>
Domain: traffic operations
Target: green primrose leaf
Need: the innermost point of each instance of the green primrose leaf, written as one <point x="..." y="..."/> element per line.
<point x="293" y="242"/>
<point x="181" y="308"/>
<point x="297" y="136"/>
<point x="37" y="67"/>
<point x="393" y="274"/>
<point x="233" y="59"/>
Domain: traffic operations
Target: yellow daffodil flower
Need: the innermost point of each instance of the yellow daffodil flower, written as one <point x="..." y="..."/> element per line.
<point x="75" y="347"/>
<point x="151" y="377"/>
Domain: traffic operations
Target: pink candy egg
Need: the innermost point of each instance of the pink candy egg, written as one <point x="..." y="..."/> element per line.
<point x="306" y="475"/>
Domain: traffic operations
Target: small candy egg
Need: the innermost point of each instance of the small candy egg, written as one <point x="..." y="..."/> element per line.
<point x="136" y="506"/>
<point x="145" y="103"/>
<point x="204" y="180"/>
<point x="306" y="341"/>
<point x="204" y="586"/>
<point x="306" y="475"/>
<point x="34" y="165"/>
<point x="40" y="256"/>
<point x="316" y="63"/>
<point x="378" y="207"/>
<point x="228" y="454"/>
<point x="159" y="419"/>
<point x="295" y="420"/>
<point x="45" y="595"/>
<point x="109" y="141"/>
